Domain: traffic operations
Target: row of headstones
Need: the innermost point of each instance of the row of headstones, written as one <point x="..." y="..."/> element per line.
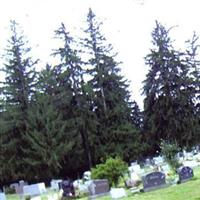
<point x="23" y="189"/>
<point x="157" y="179"/>
<point x="151" y="181"/>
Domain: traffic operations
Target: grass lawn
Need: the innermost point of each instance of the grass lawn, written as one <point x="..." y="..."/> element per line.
<point x="185" y="191"/>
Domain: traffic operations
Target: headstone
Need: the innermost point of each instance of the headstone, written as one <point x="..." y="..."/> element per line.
<point x="190" y="163"/>
<point x="68" y="188"/>
<point x="19" y="188"/>
<point x="158" y="160"/>
<point x="153" y="180"/>
<point x="2" y="196"/>
<point x="14" y="185"/>
<point x="34" y="189"/>
<point x="185" y="174"/>
<point x="98" y="187"/>
<point x="117" y="193"/>
<point x="134" y="168"/>
<point x="165" y="168"/>
<point x="87" y="175"/>
<point x="55" y="184"/>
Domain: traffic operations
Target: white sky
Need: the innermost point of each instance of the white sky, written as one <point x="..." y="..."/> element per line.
<point x="127" y="25"/>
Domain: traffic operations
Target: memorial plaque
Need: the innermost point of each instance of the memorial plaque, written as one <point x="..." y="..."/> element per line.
<point x="153" y="180"/>
<point x="185" y="174"/>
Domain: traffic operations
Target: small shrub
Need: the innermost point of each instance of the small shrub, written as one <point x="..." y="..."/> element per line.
<point x="9" y="190"/>
<point x="28" y="197"/>
<point x="169" y="150"/>
<point x="112" y="170"/>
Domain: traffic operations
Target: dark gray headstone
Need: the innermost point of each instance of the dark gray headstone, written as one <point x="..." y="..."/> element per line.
<point x="98" y="188"/>
<point x="153" y="181"/>
<point x="185" y="174"/>
<point x="68" y="188"/>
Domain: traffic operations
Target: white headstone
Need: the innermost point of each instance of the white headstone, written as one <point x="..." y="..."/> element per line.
<point x="87" y="175"/>
<point x="34" y="189"/>
<point x="54" y="184"/>
<point x="117" y="193"/>
<point x="2" y="196"/>
<point x="134" y="168"/>
<point x="158" y="160"/>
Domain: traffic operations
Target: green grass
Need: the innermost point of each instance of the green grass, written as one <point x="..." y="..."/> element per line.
<point x="186" y="191"/>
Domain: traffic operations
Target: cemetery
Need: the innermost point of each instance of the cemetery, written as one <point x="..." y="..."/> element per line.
<point x="152" y="179"/>
<point x="69" y="129"/>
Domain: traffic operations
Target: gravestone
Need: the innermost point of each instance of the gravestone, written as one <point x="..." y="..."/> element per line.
<point x="98" y="187"/>
<point x="55" y="184"/>
<point x="19" y="188"/>
<point x="34" y="189"/>
<point x="2" y="196"/>
<point x="67" y="187"/>
<point x="185" y="174"/>
<point x="117" y="193"/>
<point x="153" y="181"/>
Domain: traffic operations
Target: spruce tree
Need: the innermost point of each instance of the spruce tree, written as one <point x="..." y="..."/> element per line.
<point x="69" y="72"/>
<point x="47" y="138"/>
<point x="112" y="106"/>
<point x="17" y="91"/>
<point x="168" y="104"/>
<point x="193" y="62"/>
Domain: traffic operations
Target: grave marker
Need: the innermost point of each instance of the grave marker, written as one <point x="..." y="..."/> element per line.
<point x="98" y="187"/>
<point x="34" y="189"/>
<point x="2" y="196"/>
<point x="185" y="174"/>
<point x="153" y="180"/>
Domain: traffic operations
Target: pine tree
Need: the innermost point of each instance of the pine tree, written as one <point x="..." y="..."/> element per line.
<point x="48" y="139"/>
<point x="136" y="115"/>
<point x="194" y="65"/>
<point x="116" y="133"/>
<point x="70" y="73"/>
<point x="168" y="105"/>
<point x="17" y="91"/>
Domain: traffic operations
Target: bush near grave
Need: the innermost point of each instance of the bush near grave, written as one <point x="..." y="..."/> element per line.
<point x="169" y="150"/>
<point x="112" y="170"/>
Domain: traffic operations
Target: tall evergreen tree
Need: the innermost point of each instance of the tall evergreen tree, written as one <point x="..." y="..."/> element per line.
<point x="168" y="105"/>
<point x="193" y="62"/>
<point x="47" y="138"/>
<point x="16" y="90"/>
<point x="116" y="133"/>
<point x="70" y="72"/>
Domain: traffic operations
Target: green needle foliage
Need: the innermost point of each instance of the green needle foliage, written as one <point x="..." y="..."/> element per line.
<point x="17" y="91"/>
<point x="117" y="134"/>
<point x="169" y="105"/>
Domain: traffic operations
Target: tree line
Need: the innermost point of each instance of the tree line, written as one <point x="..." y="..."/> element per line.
<point x="74" y="114"/>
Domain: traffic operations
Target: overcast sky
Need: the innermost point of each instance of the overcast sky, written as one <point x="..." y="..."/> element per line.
<point x="127" y="25"/>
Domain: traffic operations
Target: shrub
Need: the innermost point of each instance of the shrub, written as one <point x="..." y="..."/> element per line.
<point x="169" y="150"/>
<point x="112" y="170"/>
<point x="9" y="190"/>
